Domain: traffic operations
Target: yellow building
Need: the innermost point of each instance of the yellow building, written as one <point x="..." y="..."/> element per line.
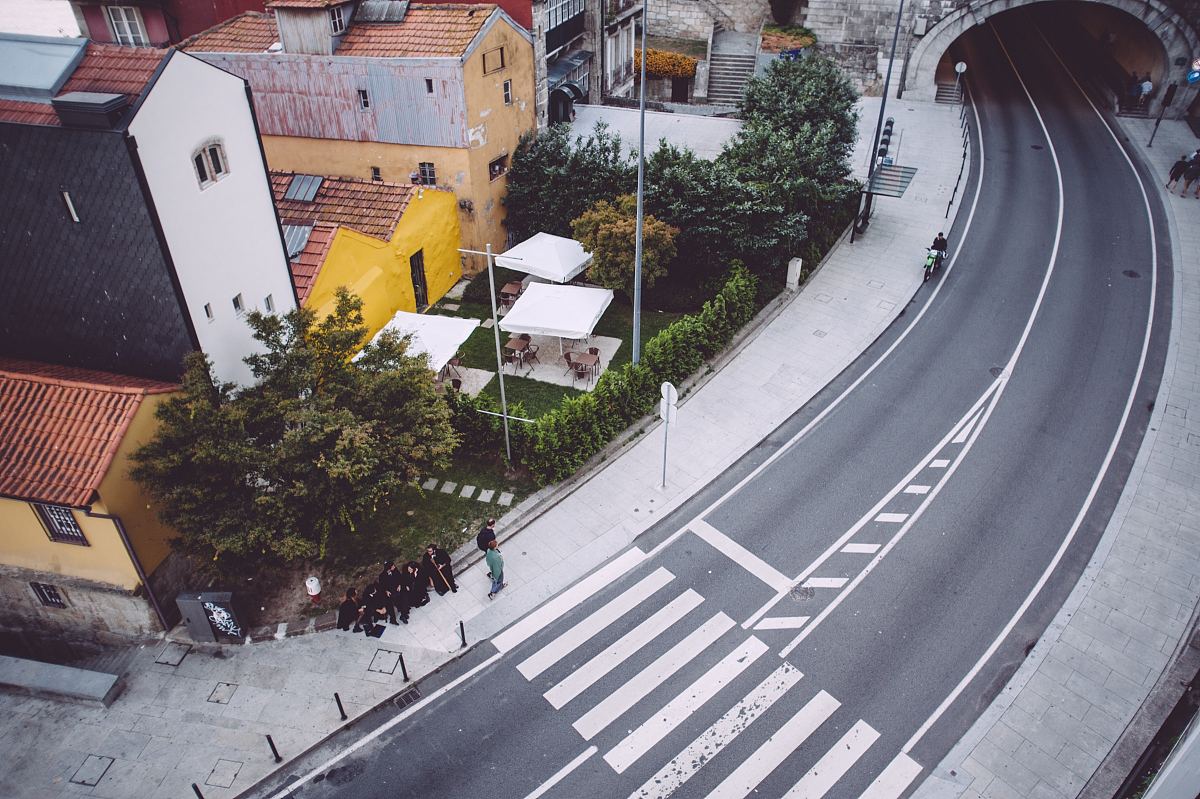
<point x="393" y="245"/>
<point x="81" y="541"/>
<point x="433" y="95"/>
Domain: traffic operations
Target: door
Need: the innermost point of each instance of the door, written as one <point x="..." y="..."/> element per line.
<point x="416" y="267"/>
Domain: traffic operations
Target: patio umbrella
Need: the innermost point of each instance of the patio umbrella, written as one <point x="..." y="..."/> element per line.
<point x="548" y="309"/>
<point x="439" y="337"/>
<point x="543" y="255"/>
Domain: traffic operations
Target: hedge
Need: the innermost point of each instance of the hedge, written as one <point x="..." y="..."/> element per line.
<point x="665" y="64"/>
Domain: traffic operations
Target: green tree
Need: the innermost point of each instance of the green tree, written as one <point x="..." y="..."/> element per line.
<point x="809" y="91"/>
<point x="290" y="467"/>
<point x="608" y="230"/>
<point x="553" y="180"/>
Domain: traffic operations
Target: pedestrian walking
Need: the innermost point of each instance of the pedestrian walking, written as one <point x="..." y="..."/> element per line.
<point x="390" y="582"/>
<point x="1134" y="88"/>
<point x="495" y="563"/>
<point x="1177" y="170"/>
<point x="1189" y="177"/>
<point x="435" y="565"/>
<point x="487" y="533"/>
<point x="350" y="611"/>
<point x="1146" y="88"/>
<point x="413" y="585"/>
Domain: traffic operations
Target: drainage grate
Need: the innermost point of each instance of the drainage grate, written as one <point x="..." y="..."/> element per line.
<point x="407" y="698"/>
<point x="92" y="770"/>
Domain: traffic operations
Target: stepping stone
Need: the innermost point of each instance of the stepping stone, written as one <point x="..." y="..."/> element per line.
<point x="467" y="492"/>
<point x="486" y="323"/>
<point x="485" y="495"/>
<point x="430" y="484"/>
<point x="452" y="306"/>
<point x="505" y="498"/>
<point x="448" y="487"/>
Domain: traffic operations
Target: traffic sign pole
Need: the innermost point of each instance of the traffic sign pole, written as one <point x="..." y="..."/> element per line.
<point x="667" y="411"/>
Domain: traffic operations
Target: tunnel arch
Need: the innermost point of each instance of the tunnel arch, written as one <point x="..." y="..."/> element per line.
<point x="1179" y="41"/>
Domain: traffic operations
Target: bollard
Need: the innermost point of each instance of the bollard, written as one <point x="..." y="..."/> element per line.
<point x="462" y="632"/>
<point x="196" y="788"/>
<point x="341" y="709"/>
<point x="274" y="751"/>
<point x="403" y="670"/>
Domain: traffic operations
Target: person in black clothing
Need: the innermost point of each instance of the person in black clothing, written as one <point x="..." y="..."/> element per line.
<point x="375" y="607"/>
<point x="350" y="611"/>
<point x="435" y="565"/>
<point x="940" y="244"/>
<point x="486" y="534"/>
<point x="389" y="581"/>
<point x="414" y="586"/>
<point x="1177" y="170"/>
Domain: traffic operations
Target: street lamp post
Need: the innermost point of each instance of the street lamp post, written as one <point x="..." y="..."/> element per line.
<point x="861" y="223"/>
<point x="637" y="247"/>
<point x="496" y="332"/>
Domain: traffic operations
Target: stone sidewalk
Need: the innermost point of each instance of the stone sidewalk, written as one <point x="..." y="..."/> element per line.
<point x="1066" y="724"/>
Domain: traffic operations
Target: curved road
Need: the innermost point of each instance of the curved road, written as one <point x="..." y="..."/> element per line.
<point x="832" y="617"/>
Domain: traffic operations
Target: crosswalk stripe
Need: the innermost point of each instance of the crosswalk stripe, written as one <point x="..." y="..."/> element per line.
<point x="550" y="612"/>
<point x="562" y="773"/>
<point x="775" y="749"/>
<point x="586" y="675"/>
<point x="740" y="555"/>
<point x="893" y="780"/>
<point x="649" y="678"/>
<point x="719" y="735"/>
<point x="860" y="549"/>
<point x="573" y="638"/>
<point x="691" y="699"/>
<point x="825" y="582"/>
<point x="834" y="764"/>
<point x="782" y="623"/>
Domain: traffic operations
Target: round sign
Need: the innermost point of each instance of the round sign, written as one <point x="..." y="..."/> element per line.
<point x="669" y="393"/>
<point x="960" y="67"/>
<point x="1193" y="76"/>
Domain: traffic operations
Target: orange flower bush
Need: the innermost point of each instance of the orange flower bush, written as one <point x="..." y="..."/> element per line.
<point x="665" y="64"/>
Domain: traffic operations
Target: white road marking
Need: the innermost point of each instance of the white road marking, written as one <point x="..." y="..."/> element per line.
<point x="860" y="549"/>
<point x="710" y="743"/>
<point x="562" y="773"/>
<point x="893" y="780"/>
<point x="939" y="463"/>
<point x="782" y="623"/>
<point x="893" y="518"/>
<point x="586" y="675"/>
<point x="916" y="489"/>
<point x="740" y="555"/>
<point x="573" y="638"/>
<point x="826" y="582"/>
<point x="965" y="432"/>
<point x="834" y="764"/>
<point x="554" y="609"/>
<point x="691" y="699"/>
<point x="639" y="686"/>
<point x="754" y="769"/>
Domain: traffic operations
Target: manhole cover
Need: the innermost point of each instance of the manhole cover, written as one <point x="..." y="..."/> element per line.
<point x="222" y="693"/>
<point x="92" y="770"/>
<point x="384" y="662"/>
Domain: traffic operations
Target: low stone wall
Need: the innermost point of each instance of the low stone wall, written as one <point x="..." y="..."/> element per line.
<point x="50" y="681"/>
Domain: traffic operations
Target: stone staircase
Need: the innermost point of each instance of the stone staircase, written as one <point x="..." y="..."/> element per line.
<point x="950" y="93"/>
<point x="727" y="77"/>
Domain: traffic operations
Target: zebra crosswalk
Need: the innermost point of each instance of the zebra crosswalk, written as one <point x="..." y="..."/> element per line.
<point x="773" y="715"/>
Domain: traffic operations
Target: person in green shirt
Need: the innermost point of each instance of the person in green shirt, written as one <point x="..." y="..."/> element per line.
<point x="495" y="564"/>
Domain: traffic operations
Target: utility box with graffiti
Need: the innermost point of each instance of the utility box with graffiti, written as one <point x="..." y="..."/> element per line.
<point x="211" y="617"/>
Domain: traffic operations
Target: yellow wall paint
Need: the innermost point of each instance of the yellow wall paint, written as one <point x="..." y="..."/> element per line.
<point x="378" y="271"/>
<point x="26" y="545"/>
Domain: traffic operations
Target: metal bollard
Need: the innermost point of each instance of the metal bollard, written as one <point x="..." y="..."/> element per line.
<point x="341" y="709"/>
<point x="462" y="633"/>
<point x="274" y="751"/>
<point x="403" y="670"/>
<point x="196" y="788"/>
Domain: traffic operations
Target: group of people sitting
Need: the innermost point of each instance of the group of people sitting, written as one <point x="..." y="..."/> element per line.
<point x="398" y="590"/>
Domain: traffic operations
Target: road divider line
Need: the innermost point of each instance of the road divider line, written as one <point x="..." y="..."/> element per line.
<point x="860" y="549"/>
<point x="740" y="555"/>
<point x="782" y="623"/>
<point x="586" y="675"/>
<point x="573" y="638"/>
<point x="965" y="432"/>
<point x="679" y="709"/>
<point x="894" y="780"/>
<point x="939" y="463"/>
<point x="891" y="518"/>
<point x="834" y="764"/>
<point x="562" y="773"/>
<point x="917" y="489"/>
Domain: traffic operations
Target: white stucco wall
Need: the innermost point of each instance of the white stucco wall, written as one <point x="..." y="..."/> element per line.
<point x="224" y="238"/>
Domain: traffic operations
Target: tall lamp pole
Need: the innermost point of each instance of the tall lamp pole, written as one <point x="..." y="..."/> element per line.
<point x="637" y="247"/>
<point x="496" y="332"/>
<point x="863" y="220"/>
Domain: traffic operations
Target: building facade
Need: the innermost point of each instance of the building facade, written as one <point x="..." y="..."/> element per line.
<point x="153" y="23"/>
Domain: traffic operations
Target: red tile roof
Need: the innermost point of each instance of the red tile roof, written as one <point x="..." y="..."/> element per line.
<point x="369" y="206"/>
<point x="106" y="68"/>
<point x="248" y="32"/>
<point x="308" y="262"/>
<point x="60" y="428"/>
<point x="427" y="30"/>
<point x="303" y="3"/>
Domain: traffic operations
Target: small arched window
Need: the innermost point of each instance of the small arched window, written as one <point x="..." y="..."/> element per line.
<point x="210" y="163"/>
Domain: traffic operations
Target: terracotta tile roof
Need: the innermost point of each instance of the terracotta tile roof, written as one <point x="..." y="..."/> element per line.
<point x="248" y="32"/>
<point x="427" y="30"/>
<point x="368" y="206"/>
<point x="60" y="428"/>
<point x="303" y="3"/>
<point x="308" y="262"/>
<point x="27" y="113"/>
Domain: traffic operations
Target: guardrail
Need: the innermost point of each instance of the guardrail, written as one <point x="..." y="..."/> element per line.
<point x="966" y="146"/>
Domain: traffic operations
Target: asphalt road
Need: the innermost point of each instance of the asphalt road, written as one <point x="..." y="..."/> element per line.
<point x="942" y="500"/>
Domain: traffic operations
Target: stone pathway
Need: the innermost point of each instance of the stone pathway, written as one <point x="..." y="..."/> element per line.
<point x="467" y="491"/>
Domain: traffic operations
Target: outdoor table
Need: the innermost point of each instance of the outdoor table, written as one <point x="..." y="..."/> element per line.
<point x="589" y="360"/>
<point x="513" y="288"/>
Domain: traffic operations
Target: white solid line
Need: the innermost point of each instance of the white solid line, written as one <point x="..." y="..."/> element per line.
<point x="775" y="749"/>
<point x="782" y="623"/>
<point x="860" y="549"/>
<point x="573" y="638"/>
<point x="740" y="555"/>
<point x="895" y="518"/>
<point x="562" y="773"/>
<point x="554" y="609"/>
<point x="965" y="432"/>
<point x="940" y="463"/>
<point x="834" y="764"/>
<point x="825" y="582"/>
<point x="691" y="699"/>
<point x="382" y="728"/>
<point x="702" y="750"/>
<point x="1112" y="448"/>
<point x="916" y="489"/>
<point x="586" y="675"/>
<point x="893" y="780"/>
<point x="639" y="686"/>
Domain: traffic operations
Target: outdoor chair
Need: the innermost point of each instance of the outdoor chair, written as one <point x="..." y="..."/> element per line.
<point x="525" y="337"/>
<point x="510" y="358"/>
<point x="456" y="384"/>
<point x="531" y="354"/>
<point x="453" y="364"/>
<point x="581" y="371"/>
<point x="567" y="357"/>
